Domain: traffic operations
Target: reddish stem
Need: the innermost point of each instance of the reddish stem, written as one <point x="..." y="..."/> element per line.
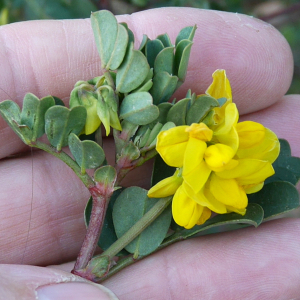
<point x="123" y="166"/>
<point x="100" y="203"/>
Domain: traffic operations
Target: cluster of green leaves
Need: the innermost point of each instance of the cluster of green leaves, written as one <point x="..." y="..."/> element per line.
<point x="61" y="125"/>
<point x="125" y="92"/>
<point x="144" y="77"/>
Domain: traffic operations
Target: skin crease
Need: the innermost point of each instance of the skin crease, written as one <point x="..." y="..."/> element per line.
<point x="48" y="57"/>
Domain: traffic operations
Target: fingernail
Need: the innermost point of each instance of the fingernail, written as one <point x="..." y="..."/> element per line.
<point x="74" y="291"/>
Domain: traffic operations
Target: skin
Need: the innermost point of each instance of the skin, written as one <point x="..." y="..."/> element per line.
<point x="42" y="202"/>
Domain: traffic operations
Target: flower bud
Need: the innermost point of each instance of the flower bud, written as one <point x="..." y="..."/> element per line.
<point x="84" y="95"/>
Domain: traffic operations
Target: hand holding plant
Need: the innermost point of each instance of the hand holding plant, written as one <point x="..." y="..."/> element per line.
<point x="81" y="157"/>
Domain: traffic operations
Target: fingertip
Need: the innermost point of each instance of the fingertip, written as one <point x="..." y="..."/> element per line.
<point x="29" y="282"/>
<point x="74" y="291"/>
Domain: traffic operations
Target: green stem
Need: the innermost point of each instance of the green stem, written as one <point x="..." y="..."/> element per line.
<point x="148" y="155"/>
<point x="136" y="229"/>
<point x="127" y="261"/>
<point x="85" y="178"/>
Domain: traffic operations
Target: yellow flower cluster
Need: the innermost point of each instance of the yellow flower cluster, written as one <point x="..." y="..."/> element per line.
<point x="217" y="166"/>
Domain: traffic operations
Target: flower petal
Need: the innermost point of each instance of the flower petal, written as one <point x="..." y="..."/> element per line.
<point x="257" y="177"/>
<point x="230" y="119"/>
<point x="206" y="213"/>
<point x="230" y="139"/>
<point x="253" y="188"/>
<point x="195" y="171"/>
<point x="220" y="86"/>
<point x="268" y="149"/>
<point x="228" y="192"/>
<point x="200" y="132"/>
<point x="249" y="171"/>
<point x="166" y="187"/>
<point x="206" y="199"/>
<point x="250" y="134"/>
<point x="186" y="212"/>
<point x="218" y="155"/>
<point x="171" y="145"/>
<point x="236" y="210"/>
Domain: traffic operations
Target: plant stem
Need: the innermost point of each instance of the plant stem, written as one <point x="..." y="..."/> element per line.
<point x="85" y="178"/>
<point x="127" y="261"/>
<point x="100" y="202"/>
<point x="88" y="247"/>
<point x="137" y="228"/>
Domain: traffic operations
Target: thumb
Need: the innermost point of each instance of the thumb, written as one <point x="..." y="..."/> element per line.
<point x="37" y="283"/>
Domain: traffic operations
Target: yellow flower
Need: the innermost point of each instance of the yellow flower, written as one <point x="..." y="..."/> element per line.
<point x="218" y="166"/>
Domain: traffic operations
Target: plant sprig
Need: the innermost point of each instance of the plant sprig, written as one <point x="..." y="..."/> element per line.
<point x="133" y="97"/>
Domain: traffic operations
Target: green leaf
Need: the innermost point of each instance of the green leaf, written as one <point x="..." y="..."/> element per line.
<point x="119" y="51"/>
<point x="130" y="34"/>
<point x="142" y="138"/>
<point x="61" y="121"/>
<point x="58" y="101"/>
<point x="186" y="33"/>
<point x="182" y="55"/>
<point x="164" y="86"/>
<point x="177" y="113"/>
<point x="276" y="198"/>
<point x="138" y="109"/>
<point x="145" y="40"/>
<point x="129" y="207"/>
<point x="132" y="71"/>
<point x="108" y="235"/>
<point x="11" y="113"/>
<point x="160" y="170"/>
<point x="111" y="39"/>
<point x="200" y="109"/>
<point x="165" y="39"/>
<point x="33" y="113"/>
<point x="286" y="166"/>
<point x="254" y="216"/>
<point x="147" y="84"/>
<point x="164" y="108"/>
<point x="164" y="61"/>
<point x="151" y="140"/>
<point x="106" y="175"/>
<point x="88" y="154"/>
<point x="152" y="49"/>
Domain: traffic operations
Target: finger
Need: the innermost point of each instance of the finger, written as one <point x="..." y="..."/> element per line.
<point x="48" y="57"/>
<point x="34" y="283"/>
<point x="42" y="218"/>
<point x="260" y="263"/>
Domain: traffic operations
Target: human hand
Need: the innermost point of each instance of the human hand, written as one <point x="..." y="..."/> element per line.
<point x="42" y="201"/>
